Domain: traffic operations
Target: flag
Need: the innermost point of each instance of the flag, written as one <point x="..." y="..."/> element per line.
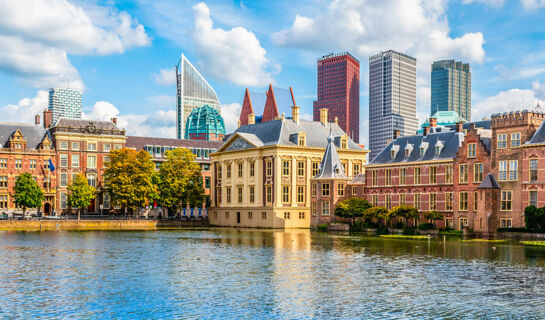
<point x="51" y="166"/>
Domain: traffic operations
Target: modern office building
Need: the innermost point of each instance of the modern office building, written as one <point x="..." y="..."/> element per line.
<point x="339" y="91"/>
<point x="64" y="103"/>
<point x="392" y="98"/>
<point x="451" y="87"/>
<point x="205" y="123"/>
<point x="193" y="91"/>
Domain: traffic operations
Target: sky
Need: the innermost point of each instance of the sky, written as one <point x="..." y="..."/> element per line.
<point x="121" y="54"/>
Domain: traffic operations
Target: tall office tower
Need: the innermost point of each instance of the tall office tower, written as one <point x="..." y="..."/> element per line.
<point x="451" y="87"/>
<point x="392" y="98"/>
<point x="64" y="103"/>
<point x="193" y="91"/>
<point x="339" y="91"/>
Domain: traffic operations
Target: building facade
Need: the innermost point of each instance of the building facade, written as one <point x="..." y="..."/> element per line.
<point x="262" y="173"/>
<point x="83" y="147"/>
<point x="193" y="91"/>
<point x="451" y="87"/>
<point x="392" y="98"/>
<point x="64" y="103"/>
<point x="339" y="91"/>
<point x="26" y="148"/>
<point x="204" y="123"/>
<point x="157" y="147"/>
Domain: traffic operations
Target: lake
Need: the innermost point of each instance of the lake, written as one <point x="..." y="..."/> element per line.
<point x="248" y="274"/>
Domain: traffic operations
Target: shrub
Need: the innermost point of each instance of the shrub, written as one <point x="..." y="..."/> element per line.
<point x="382" y="230"/>
<point x="426" y="226"/>
<point x="398" y="225"/>
<point x="529" y="230"/>
<point x="358" y="226"/>
<point x="409" y="231"/>
<point x="371" y="225"/>
<point x="322" y="227"/>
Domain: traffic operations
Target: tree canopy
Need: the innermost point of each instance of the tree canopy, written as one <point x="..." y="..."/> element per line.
<point x="180" y="180"/>
<point x="80" y="193"/>
<point x="129" y="178"/>
<point x="27" y="193"/>
<point x="376" y="213"/>
<point x="352" y="207"/>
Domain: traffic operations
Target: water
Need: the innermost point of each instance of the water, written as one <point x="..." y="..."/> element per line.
<point x="237" y="274"/>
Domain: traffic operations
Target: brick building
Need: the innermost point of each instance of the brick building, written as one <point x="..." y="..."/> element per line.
<point x="83" y="147"/>
<point x="158" y="146"/>
<point x="26" y="148"/>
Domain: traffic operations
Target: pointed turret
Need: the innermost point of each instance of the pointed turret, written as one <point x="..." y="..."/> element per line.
<point x="331" y="167"/>
<point x="271" y="109"/>
<point x="247" y="108"/>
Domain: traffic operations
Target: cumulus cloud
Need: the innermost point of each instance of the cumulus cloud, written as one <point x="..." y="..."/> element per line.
<point x="539" y="89"/>
<point x="233" y="55"/>
<point x="230" y="114"/>
<point x="25" y="110"/>
<point x="367" y="27"/>
<point x="533" y="4"/>
<point x="510" y="100"/>
<point x="37" y="36"/>
<point x="492" y="3"/>
<point x="165" y="77"/>
<point x="158" y="124"/>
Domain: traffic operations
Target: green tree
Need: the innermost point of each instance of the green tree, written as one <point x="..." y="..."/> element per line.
<point x="180" y="180"/>
<point x="129" y="178"/>
<point x="376" y="213"/>
<point x="530" y="215"/>
<point x="351" y="208"/>
<point x="433" y="217"/>
<point x="404" y="211"/>
<point x="27" y="193"/>
<point x="80" y="193"/>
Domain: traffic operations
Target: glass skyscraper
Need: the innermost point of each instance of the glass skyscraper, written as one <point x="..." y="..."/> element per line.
<point x="64" y="103"/>
<point x="193" y="91"/>
<point x="451" y="87"/>
<point x="392" y="98"/>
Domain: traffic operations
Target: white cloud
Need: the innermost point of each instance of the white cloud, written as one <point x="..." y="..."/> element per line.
<point x="533" y="4"/>
<point x="231" y="114"/>
<point x="539" y="89"/>
<point x="415" y="27"/>
<point x="165" y="77"/>
<point x="511" y="100"/>
<point x="26" y="109"/>
<point x="233" y="55"/>
<point x="492" y="3"/>
<point x="37" y="36"/>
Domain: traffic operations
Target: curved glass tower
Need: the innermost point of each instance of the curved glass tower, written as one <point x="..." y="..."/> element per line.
<point x="193" y="91"/>
<point x="204" y="123"/>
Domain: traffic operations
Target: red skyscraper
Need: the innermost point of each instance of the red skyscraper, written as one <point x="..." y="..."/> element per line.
<point x="339" y="91"/>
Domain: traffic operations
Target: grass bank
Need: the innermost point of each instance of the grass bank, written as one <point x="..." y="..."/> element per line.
<point x="399" y="236"/>
<point x="533" y="243"/>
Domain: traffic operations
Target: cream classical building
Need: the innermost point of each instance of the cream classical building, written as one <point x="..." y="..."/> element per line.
<point x="262" y="173"/>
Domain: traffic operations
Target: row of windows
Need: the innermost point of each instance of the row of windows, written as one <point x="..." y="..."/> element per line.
<point x="32" y="163"/>
<point x="502" y="140"/>
<point x="286" y="169"/>
<point x="91" y="146"/>
<point x="159" y="151"/>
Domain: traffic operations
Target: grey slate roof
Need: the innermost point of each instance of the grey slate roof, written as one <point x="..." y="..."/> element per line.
<point x="538" y="136"/>
<point x="449" y="142"/>
<point x="33" y="133"/>
<point x="277" y="132"/>
<point x="331" y="167"/>
<point x="83" y="123"/>
<point x="489" y="182"/>
<point x="359" y="179"/>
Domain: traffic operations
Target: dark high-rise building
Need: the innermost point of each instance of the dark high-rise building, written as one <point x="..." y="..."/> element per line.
<point x="451" y="87"/>
<point x="339" y="91"/>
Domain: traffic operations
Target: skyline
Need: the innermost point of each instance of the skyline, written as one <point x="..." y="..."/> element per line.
<point x="122" y="55"/>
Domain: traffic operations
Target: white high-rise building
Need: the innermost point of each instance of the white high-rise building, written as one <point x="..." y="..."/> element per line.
<point x="64" y="103"/>
<point x="193" y="91"/>
<point x="392" y="98"/>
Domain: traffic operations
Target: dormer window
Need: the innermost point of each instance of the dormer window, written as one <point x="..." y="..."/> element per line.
<point x="422" y="150"/>
<point x="438" y="147"/>
<point x="437" y="150"/>
<point x="392" y="154"/>
<point x="344" y="142"/>
<point x="301" y="140"/>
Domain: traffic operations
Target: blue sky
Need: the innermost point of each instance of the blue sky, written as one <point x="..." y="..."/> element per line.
<point x="121" y="53"/>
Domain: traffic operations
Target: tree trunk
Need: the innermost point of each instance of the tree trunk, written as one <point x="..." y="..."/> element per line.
<point x="79" y="213"/>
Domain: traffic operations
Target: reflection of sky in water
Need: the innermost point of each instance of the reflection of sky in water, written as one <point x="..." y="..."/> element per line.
<point x="264" y="274"/>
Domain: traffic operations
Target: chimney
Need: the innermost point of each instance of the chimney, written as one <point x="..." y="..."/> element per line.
<point x="397" y="133"/>
<point x="323" y="116"/>
<point x="426" y="130"/>
<point x="283" y="116"/>
<point x="336" y="121"/>
<point x="433" y="122"/>
<point x="37" y="119"/>
<point x="48" y="118"/>
<point x="459" y="126"/>
<point x="472" y="126"/>
<point x="238" y="126"/>
<point x="251" y="118"/>
<point x="295" y="114"/>
<point x="114" y="120"/>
